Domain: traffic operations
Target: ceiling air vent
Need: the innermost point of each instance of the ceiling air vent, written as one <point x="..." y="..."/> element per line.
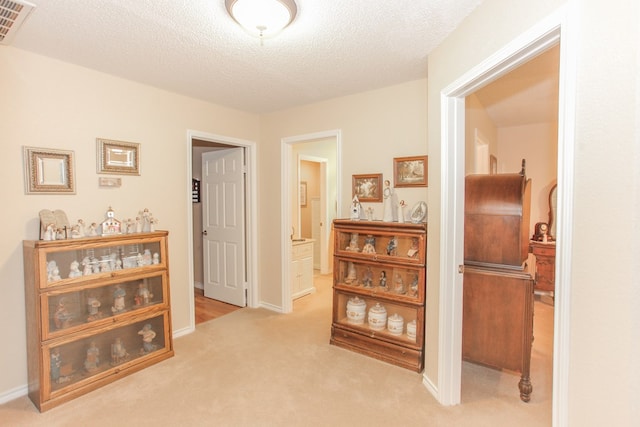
<point x="12" y="15"/>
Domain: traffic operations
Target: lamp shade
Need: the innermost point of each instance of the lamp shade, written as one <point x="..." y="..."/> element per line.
<point x="262" y="18"/>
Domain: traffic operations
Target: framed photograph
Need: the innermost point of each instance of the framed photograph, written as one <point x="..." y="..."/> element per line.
<point x="368" y="188"/>
<point x="118" y="157"/>
<point x="303" y="193"/>
<point x="410" y="171"/>
<point x="49" y="171"/>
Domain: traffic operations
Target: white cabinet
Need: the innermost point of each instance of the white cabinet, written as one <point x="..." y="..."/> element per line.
<point x="302" y="268"/>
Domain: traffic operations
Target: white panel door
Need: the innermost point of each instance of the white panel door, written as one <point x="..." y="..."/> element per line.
<point x="223" y="225"/>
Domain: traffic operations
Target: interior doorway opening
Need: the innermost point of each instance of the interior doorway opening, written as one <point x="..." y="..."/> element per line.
<point x="519" y="51"/>
<point x="197" y="144"/>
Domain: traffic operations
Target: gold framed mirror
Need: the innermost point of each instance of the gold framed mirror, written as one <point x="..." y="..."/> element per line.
<point x="118" y="157"/>
<point x="49" y="171"/>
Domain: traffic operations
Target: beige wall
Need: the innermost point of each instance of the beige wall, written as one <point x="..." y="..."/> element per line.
<point x="50" y="104"/>
<point x="376" y="126"/>
<point x="604" y="295"/>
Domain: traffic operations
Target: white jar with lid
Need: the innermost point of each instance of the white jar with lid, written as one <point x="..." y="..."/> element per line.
<point x="395" y="324"/>
<point x="377" y="317"/>
<point x="356" y="309"/>
<point x="411" y="330"/>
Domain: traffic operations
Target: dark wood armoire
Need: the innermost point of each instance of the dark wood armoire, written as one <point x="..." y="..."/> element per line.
<point x="498" y="284"/>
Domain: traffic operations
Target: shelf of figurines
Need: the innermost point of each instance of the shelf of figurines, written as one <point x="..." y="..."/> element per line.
<point x="380" y="241"/>
<point x="387" y="281"/>
<point x="79" y="307"/>
<point x="378" y="319"/>
<point x="68" y="262"/>
<point x="79" y="360"/>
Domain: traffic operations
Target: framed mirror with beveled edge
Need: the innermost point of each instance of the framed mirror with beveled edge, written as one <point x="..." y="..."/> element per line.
<point x="49" y="171"/>
<point x="118" y="157"/>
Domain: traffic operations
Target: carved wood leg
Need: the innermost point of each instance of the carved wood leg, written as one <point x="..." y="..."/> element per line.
<point x="525" y="388"/>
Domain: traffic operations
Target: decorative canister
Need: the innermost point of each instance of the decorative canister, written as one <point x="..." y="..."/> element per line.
<point x="395" y="324"/>
<point x="411" y="330"/>
<point x="356" y="309"/>
<point x="377" y="317"/>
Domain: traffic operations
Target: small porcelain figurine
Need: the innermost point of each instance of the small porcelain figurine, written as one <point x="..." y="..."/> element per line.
<point x="49" y="233"/>
<point x="401" y="207"/>
<point x="152" y="224"/>
<point x="144" y="295"/>
<point x="93" y="308"/>
<point x="367" y="280"/>
<point x="74" y="269"/>
<point x="75" y="232"/>
<point x="383" y="279"/>
<point x="392" y="246"/>
<point x="138" y="225"/>
<point x="53" y="273"/>
<point x="353" y="243"/>
<point x="356" y="209"/>
<point x="147" y="339"/>
<point x="414" y="286"/>
<point x="156" y="258"/>
<point x="118" y="299"/>
<point x="61" y="233"/>
<point x="86" y="266"/>
<point x="369" y="245"/>
<point x="92" y="360"/>
<point x="351" y="273"/>
<point x="93" y="229"/>
<point x="413" y="250"/>
<point x="398" y="285"/>
<point x="370" y="213"/>
<point x="119" y="353"/>
<point x="62" y="318"/>
<point x="81" y="228"/>
<point x="55" y="364"/>
<point x="387" y="195"/>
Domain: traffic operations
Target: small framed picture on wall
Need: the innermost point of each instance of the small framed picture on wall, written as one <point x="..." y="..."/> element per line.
<point x="410" y="171"/>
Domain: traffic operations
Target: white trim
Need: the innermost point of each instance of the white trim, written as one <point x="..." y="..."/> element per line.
<point x="285" y="209"/>
<point x="251" y="207"/>
<point x="520" y="50"/>
<point x="13" y="394"/>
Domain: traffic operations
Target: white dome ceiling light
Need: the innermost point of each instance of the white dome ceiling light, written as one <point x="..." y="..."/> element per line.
<point x="262" y="18"/>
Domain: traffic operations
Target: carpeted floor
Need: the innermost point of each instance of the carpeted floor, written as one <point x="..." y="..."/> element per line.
<point x="254" y="367"/>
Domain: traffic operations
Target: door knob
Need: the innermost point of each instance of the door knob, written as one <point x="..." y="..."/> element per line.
<point x="204" y="233"/>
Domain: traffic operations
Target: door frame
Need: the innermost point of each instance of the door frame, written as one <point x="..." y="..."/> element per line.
<point x="251" y="224"/>
<point x="285" y="209"/>
<point x="324" y="241"/>
<point x="545" y="34"/>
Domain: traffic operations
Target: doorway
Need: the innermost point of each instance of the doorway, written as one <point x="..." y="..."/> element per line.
<point x="316" y="146"/>
<point x="197" y="144"/>
<point x="519" y="51"/>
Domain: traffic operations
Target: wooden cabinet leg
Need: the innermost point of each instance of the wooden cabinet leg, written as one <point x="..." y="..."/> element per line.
<point x="525" y="388"/>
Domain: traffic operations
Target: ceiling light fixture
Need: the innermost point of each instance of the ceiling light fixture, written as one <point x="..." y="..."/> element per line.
<point x="262" y="18"/>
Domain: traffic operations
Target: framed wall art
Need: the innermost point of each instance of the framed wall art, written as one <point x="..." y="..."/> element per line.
<point x="118" y="157"/>
<point x="49" y="171"/>
<point x="410" y="171"/>
<point x="368" y="188"/>
<point x="303" y="193"/>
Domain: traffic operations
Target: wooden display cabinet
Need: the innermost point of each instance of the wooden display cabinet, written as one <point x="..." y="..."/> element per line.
<point x="381" y="267"/>
<point x="97" y="308"/>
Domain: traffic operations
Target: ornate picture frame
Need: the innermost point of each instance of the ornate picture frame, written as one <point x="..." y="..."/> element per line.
<point x="118" y="157"/>
<point x="368" y="188"/>
<point x="410" y="171"/>
<point x="49" y="171"/>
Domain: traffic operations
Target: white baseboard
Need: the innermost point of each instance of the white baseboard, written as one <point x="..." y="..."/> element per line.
<point x="13" y="394"/>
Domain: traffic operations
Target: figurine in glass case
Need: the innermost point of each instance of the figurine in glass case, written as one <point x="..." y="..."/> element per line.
<point x="92" y="360"/>
<point x="369" y="245"/>
<point x="353" y="243"/>
<point x="398" y="285"/>
<point x="383" y="279"/>
<point x="392" y="246"/>
<point x="144" y="295"/>
<point x="62" y="318"/>
<point x="93" y="308"/>
<point x="118" y="299"/>
<point x="147" y="339"/>
<point x="74" y="269"/>
<point x="414" y="286"/>
<point x="156" y="258"/>
<point x="413" y="250"/>
<point x="367" y="280"/>
<point x="55" y="366"/>
<point x="352" y="274"/>
<point x="119" y="353"/>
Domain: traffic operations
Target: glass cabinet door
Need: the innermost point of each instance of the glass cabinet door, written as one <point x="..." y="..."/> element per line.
<point x="80" y="307"/>
<point x="381" y="245"/>
<point x="82" y="359"/>
<point x="69" y="263"/>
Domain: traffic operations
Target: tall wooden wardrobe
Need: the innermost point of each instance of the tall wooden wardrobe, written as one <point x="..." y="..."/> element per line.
<point x="498" y="284"/>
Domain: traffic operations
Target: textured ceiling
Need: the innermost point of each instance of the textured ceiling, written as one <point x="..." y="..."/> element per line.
<point x="333" y="48"/>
